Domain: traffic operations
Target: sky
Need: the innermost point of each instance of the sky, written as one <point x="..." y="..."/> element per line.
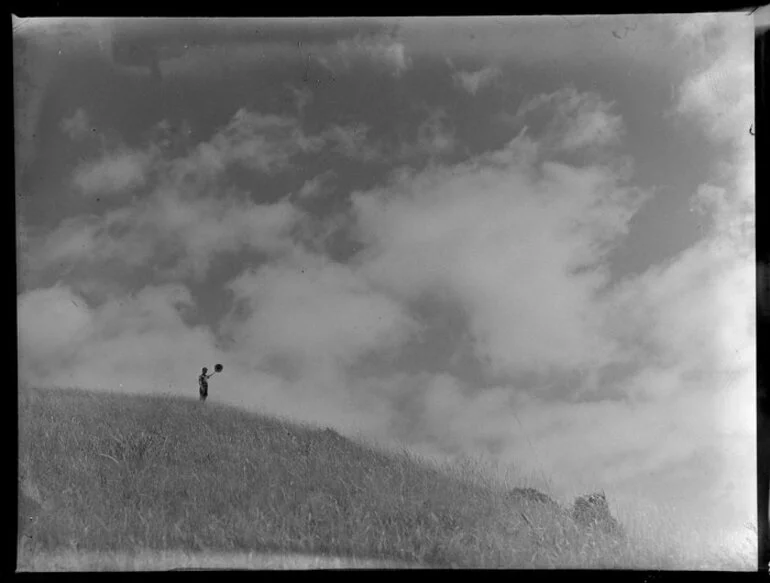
<point x="525" y="239"/>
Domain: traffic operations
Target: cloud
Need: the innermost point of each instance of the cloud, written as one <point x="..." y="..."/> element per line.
<point x="695" y="314"/>
<point x="178" y="225"/>
<point x="137" y="343"/>
<point x="315" y="186"/>
<point x="473" y="81"/>
<point x="319" y="313"/>
<point x="351" y="141"/>
<point x="178" y="233"/>
<point x="206" y="229"/>
<point x="720" y="96"/>
<point x="114" y="173"/>
<point x="731" y="207"/>
<point x="581" y="120"/>
<point x="76" y="126"/>
<point x="435" y="137"/>
<point x="51" y="322"/>
<point x="88" y="239"/>
<point x="497" y="239"/>
<point x="303" y="97"/>
<point x="268" y="144"/>
<point x="259" y="142"/>
<point x="74" y="237"/>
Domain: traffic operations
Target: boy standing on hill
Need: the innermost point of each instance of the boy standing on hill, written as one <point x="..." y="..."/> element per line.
<point x="203" y="383"/>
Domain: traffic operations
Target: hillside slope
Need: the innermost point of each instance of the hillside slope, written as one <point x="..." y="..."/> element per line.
<point x="109" y="473"/>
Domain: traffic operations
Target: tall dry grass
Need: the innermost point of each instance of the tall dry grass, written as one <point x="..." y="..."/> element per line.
<point x="123" y="475"/>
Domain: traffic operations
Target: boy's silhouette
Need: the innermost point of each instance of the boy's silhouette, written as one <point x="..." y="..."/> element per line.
<point x="203" y="383"/>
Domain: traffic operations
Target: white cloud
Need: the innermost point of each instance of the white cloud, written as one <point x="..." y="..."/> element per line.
<point x="434" y="137"/>
<point x="499" y="241"/>
<point x="319" y="313"/>
<point x="315" y="186"/>
<point x="76" y="126"/>
<point x="268" y="144"/>
<point x="190" y="232"/>
<point x="74" y="237"/>
<point x="473" y="81"/>
<point x="696" y="313"/>
<point x="205" y="228"/>
<point x="351" y="141"/>
<point x="720" y="97"/>
<point x="179" y="223"/>
<point x="595" y="127"/>
<point x="303" y="98"/>
<point x="51" y="322"/>
<point x="260" y="142"/>
<point x="581" y="120"/>
<point x="114" y="173"/>
<point x="136" y="343"/>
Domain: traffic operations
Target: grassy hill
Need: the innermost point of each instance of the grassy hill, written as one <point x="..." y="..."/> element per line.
<point x="111" y="474"/>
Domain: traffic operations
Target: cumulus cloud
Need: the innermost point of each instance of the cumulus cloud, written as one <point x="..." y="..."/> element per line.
<point x="721" y="95"/>
<point x="114" y="173"/>
<point x="206" y="228"/>
<point x="178" y="224"/>
<point x="581" y="119"/>
<point x="499" y="240"/>
<point x="303" y="97"/>
<point x="176" y="232"/>
<point x="695" y="315"/>
<point x="317" y="312"/>
<point x="718" y="91"/>
<point x="260" y="142"/>
<point x="51" y="322"/>
<point x="718" y="96"/>
<point x="74" y="237"/>
<point x="268" y="144"/>
<point x="473" y="81"/>
<point x="77" y="125"/>
<point x="315" y="186"/>
<point x="137" y="342"/>
<point x="351" y="141"/>
<point x="435" y="137"/>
